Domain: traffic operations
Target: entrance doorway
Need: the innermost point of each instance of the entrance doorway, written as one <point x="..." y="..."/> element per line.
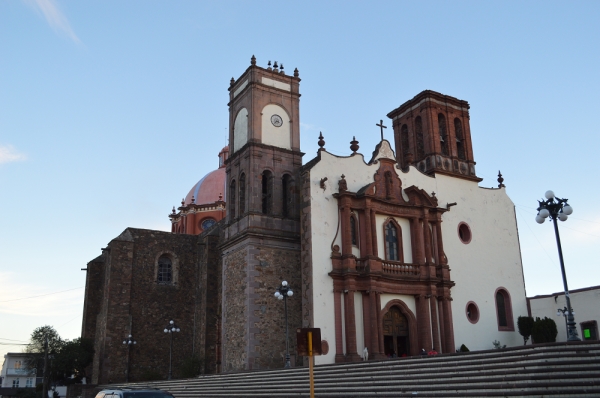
<point x="395" y="333"/>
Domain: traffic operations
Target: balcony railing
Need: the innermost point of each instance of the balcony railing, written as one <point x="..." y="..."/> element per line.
<point x="395" y="268"/>
<point x="20" y="372"/>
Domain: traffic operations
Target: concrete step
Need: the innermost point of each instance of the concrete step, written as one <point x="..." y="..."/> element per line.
<point x="543" y="371"/>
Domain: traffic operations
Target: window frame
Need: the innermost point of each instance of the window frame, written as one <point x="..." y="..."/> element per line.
<point x="508" y="313"/>
<point x="398" y="240"/>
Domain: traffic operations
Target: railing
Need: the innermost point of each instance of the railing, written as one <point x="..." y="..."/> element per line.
<point x="395" y="268"/>
<point x="20" y="372"/>
<point x="361" y="266"/>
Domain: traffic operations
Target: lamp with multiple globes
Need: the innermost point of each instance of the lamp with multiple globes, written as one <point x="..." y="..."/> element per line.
<point x="282" y="293"/>
<point x="558" y="209"/>
<point x="171" y="328"/>
<point x="130" y="342"/>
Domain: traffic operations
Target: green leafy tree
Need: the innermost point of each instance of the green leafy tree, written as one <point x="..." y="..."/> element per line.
<point x="37" y="343"/>
<point x="544" y="330"/>
<point x="525" y="325"/>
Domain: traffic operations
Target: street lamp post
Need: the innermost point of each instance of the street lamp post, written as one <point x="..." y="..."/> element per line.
<point x="564" y="312"/>
<point x="559" y="209"/>
<point x="171" y="328"/>
<point x="282" y="293"/>
<point x="130" y="342"/>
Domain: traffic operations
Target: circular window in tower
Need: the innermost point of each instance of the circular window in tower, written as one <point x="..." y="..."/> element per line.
<point x="464" y="233"/>
<point x="472" y="312"/>
<point x="207" y="223"/>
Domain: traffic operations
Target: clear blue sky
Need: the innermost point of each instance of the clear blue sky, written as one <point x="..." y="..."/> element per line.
<point x="110" y="111"/>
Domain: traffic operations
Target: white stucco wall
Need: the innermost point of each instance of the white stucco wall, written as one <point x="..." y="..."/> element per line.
<point x="276" y="136"/>
<point x="491" y="260"/>
<point x="585" y="304"/>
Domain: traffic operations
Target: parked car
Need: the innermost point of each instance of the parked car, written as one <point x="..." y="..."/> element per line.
<point x="134" y="393"/>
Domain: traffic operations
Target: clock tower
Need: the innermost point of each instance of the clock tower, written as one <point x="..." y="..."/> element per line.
<point x="262" y="235"/>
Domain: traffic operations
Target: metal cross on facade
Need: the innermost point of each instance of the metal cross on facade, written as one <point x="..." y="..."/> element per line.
<point x="382" y="127"/>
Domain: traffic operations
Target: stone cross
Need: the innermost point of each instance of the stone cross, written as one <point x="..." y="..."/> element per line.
<point x="382" y="127"/>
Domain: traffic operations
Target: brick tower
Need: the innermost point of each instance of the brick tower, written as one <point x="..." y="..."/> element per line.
<point x="432" y="132"/>
<point x="261" y="242"/>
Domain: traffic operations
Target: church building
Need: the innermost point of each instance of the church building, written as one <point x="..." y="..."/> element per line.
<point x="395" y="252"/>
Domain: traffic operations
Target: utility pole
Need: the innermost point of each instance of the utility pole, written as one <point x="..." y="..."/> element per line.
<point x="45" y="375"/>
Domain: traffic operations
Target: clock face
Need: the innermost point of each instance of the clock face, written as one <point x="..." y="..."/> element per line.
<point x="276" y="120"/>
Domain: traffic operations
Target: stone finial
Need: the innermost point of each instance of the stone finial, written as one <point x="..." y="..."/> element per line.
<point x="281" y="70"/>
<point x="342" y="184"/>
<point x="433" y="194"/>
<point x="231" y="81"/>
<point x="321" y="142"/>
<point x="500" y="180"/>
<point x="354" y="145"/>
<point x="253" y="60"/>
<point x="296" y="73"/>
<point x="220" y="197"/>
<point x="269" y="66"/>
<point x="193" y="199"/>
<point x="174" y="212"/>
<point x="182" y="202"/>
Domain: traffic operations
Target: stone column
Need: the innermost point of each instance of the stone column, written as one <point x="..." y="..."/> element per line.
<point x="448" y="327"/>
<point x="417" y="242"/>
<point x="427" y="237"/>
<point x="368" y="244"/>
<point x="434" y="322"/>
<point x="423" y="325"/>
<point x="374" y="232"/>
<point x="380" y="325"/>
<point x="345" y="231"/>
<point x="375" y="330"/>
<point x="440" y="305"/>
<point x="350" y="318"/>
<point x="366" y="305"/>
<point x="339" y="342"/>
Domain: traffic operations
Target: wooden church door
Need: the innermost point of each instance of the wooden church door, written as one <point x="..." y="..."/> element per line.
<point x="395" y="333"/>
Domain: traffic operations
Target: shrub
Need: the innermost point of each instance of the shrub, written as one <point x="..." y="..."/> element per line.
<point x="525" y="325"/>
<point x="191" y="367"/>
<point x="463" y="348"/>
<point x="544" y="330"/>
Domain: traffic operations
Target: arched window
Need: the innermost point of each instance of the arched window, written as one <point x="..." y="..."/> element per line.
<point x="460" y="145"/>
<point x="232" y="200"/>
<point x="267" y="192"/>
<point x="354" y="229"/>
<point x="393" y="241"/>
<point x="287" y="199"/>
<point x="404" y="141"/>
<point x="443" y="135"/>
<point x="165" y="270"/>
<point x="242" y="194"/>
<point x="419" y="138"/>
<point x="504" y="310"/>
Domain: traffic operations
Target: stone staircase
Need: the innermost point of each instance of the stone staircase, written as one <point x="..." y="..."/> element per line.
<point x="549" y="370"/>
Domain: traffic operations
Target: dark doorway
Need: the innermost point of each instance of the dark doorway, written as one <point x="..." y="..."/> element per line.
<point x="395" y="333"/>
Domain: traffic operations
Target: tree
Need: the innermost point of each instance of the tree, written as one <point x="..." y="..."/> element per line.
<point x="544" y="330"/>
<point x="525" y="325"/>
<point x="72" y="359"/>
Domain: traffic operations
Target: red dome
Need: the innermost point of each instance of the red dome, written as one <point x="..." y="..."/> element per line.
<point x="208" y="189"/>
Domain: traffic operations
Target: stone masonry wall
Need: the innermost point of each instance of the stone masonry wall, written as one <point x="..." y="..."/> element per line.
<point x="267" y="316"/>
<point x="234" y="311"/>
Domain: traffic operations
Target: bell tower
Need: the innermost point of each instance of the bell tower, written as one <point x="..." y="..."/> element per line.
<point x="432" y="132"/>
<point x="261" y="242"/>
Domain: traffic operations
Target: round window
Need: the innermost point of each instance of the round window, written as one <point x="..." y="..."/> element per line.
<point x="464" y="233"/>
<point x="472" y="312"/>
<point x="207" y="223"/>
